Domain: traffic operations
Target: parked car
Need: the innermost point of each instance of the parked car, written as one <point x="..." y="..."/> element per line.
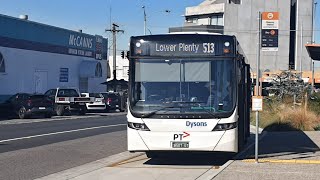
<point x="98" y="104"/>
<point x="113" y="101"/>
<point x="68" y="100"/>
<point x="26" y="105"/>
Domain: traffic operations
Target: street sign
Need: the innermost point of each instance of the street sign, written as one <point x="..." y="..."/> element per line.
<point x="257" y="103"/>
<point x="270" y="31"/>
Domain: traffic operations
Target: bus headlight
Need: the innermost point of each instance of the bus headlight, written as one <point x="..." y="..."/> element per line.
<point x="138" y="126"/>
<point x="225" y="126"/>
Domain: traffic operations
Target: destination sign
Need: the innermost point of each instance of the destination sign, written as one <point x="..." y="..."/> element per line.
<point x="183" y="45"/>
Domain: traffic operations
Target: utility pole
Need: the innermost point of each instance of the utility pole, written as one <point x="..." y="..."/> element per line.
<point x="114" y="31"/>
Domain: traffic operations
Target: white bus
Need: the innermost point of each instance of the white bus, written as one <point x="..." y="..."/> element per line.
<point x="187" y="92"/>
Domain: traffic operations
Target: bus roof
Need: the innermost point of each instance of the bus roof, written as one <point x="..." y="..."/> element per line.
<point x="195" y="33"/>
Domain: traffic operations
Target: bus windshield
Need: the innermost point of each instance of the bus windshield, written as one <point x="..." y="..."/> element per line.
<point x="175" y="86"/>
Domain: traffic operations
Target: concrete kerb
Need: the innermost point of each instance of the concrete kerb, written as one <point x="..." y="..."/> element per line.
<point x="90" y="167"/>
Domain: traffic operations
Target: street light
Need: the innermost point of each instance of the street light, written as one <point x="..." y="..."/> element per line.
<point x="145" y="19"/>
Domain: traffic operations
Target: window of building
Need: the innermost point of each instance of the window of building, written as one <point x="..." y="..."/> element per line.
<point x="235" y="1"/>
<point x="64" y="75"/>
<point x="2" y="65"/>
<point x="217" y="20"/>
<point x="98" y="72"/>
<point x="192" y="20"/>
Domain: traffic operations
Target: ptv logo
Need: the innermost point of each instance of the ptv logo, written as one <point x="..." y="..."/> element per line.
<point x="180" y="136"/>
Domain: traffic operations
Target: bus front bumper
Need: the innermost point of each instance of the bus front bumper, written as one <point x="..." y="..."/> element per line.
<point x="225" y="141"/>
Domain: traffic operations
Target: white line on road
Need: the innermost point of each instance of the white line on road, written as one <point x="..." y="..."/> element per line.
<point x="61" y="132"/>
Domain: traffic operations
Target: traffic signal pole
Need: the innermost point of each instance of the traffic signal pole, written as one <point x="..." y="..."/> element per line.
<point x="114" y="40"/>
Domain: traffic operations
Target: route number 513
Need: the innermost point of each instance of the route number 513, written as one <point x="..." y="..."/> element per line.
<point x="208" y="47"/>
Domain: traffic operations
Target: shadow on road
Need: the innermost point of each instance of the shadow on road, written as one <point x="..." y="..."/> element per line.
<point x="4" y="117"/>
<point x="191" y="159"/>
<point x="286" y="142"/>
<point x="13" y="117"/>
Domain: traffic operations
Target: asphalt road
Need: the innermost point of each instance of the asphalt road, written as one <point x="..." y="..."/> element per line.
<point x="32" y="150"/>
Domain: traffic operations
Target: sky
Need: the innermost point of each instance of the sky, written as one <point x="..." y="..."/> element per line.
<point x="95" y="16"/>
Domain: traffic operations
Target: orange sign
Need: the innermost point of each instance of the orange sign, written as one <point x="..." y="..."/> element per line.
<point x="270" y="31"/>
<point x="270" y="16"/>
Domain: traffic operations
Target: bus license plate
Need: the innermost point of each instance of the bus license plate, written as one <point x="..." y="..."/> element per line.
<point x="180" y="144"/>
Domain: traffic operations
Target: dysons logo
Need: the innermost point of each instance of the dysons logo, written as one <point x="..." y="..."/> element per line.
<point x="195" y="124"/>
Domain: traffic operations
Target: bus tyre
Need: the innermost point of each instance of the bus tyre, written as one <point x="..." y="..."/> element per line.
<point x="60" y="110"/>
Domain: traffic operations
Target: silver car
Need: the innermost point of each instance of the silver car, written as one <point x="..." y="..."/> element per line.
<point x="98" y="104"/>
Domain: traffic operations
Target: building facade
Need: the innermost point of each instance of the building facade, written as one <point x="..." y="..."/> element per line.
<point x="35" y="57"/>
<point x="122" y="68"/>
<point x="240" y="18"/>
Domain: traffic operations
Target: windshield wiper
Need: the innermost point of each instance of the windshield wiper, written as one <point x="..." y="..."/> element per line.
<point x="154" y="112"/>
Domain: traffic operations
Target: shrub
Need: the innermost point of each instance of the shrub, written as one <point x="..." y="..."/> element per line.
<point x="280" y="116"/>
<point x="299" y="118"/>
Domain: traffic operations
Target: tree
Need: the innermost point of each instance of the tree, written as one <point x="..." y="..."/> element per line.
<point x="288" y="83"/>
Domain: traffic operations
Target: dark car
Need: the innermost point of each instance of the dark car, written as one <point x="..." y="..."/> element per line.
<point x="26" y="105"/>
<point x="114" y="101"/>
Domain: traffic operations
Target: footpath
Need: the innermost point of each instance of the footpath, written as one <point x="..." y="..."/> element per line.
<point x="282" y="155"/>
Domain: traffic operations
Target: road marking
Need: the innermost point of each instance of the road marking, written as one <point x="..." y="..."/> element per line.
<point x="61" y="132"/>
<point x="289" y="161"/>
